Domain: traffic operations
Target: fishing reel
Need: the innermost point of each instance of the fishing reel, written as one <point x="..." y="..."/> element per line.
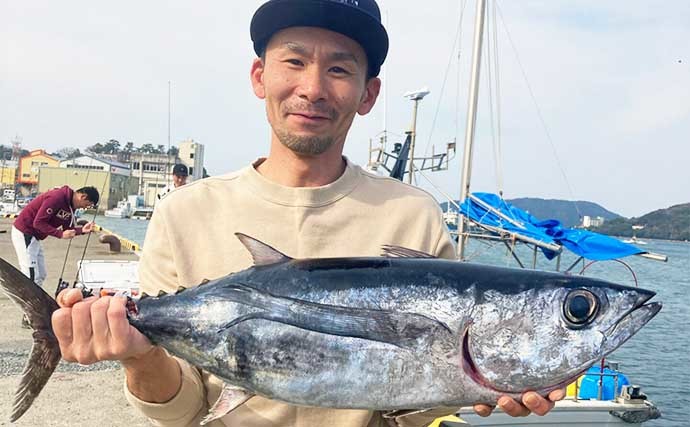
<point x="63" y="284"/>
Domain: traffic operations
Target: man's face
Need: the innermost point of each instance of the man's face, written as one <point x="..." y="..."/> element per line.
<point x="179" y="180"/>
<point x="81" y="201"/>
<point x="314" y="82"/>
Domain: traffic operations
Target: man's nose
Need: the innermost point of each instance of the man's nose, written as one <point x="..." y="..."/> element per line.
<point x="312" y="86"/>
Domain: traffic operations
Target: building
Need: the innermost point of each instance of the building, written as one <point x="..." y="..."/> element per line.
<point x="590" y="222"/>
<point x="8" y="173"/>
<point x="154" y="171"/>
<point x="89" y="162"/>
<point x="112" y="186"/>
<point x="29" y="166"/>
<point x="191" y="154"/>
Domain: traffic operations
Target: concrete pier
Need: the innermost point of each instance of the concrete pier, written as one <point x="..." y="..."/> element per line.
<point x="75" y="395"/>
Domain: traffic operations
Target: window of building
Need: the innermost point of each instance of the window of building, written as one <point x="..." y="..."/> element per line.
<point x="135" y="165"/>
<point x="154" y="167"/>
<point x="191" y="155"/>
<point x="191" y="170"/>
<point x="26" y="175"/>
<point x="77" y="166"/>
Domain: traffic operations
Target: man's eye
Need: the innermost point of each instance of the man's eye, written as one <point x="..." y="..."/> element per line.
<point x="295" y="62"/>
<point x="339" y="70"/>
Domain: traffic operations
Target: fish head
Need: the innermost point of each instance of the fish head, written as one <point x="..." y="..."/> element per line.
<point x="543" y="337"/>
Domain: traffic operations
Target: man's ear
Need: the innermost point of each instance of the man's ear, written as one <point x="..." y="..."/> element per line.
<point x="257" y="78"/>
<point x="371" y="92"/>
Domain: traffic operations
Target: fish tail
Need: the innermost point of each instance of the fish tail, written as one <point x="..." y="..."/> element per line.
<point x="45" y="355"/>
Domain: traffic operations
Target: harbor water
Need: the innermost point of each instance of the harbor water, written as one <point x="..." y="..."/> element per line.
<point x="657" y="358"/>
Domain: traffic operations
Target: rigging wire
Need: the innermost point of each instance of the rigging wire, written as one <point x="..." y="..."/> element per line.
<point x="458" y="33"/>
<point x="498" y="151"/>
<point x="539" y="114"/>
<point x="489" y="84"/>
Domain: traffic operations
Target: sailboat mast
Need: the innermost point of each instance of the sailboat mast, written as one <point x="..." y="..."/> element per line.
<point x="471" y="119"/>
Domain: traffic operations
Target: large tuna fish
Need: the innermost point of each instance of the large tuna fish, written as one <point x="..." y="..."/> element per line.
<point x="402" y="331"/>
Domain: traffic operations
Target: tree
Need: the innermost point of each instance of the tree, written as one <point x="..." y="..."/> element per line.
<point x="160" y="149"/>
<point x="111" y="147"/>
<point x="97" y="148"/>
<point x="173" y="151"/>
<point x="129" y="147"/>
<point x="147" y="149"/>
<point x="68" y="153"/>
<point x="5" y="152"/>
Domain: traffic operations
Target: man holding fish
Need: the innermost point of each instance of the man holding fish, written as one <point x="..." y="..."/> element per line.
<point x="317" y="67"/>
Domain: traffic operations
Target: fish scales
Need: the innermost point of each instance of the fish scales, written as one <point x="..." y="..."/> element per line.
<point x="397" y="332"/>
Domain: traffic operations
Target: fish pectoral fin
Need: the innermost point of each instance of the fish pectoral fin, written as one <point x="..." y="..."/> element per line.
<point x="262" y="253"/>
<point x="389" y="251"/>
<point x="401" y="329"/>
<point x="403" y="413"/>
<point x="230" y="398"/>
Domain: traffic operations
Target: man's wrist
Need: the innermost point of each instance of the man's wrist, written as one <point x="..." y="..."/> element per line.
<point x="153" y="377"/>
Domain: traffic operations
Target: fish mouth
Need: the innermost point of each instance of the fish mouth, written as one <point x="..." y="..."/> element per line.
<point x="631" y="322"/>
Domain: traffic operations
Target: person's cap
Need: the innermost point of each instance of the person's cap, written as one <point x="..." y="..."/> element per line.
<point x="359" y="20"/>
<point x="180" y="170"/>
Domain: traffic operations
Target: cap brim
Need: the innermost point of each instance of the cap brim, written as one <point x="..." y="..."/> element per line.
<point x="338" y="17"/>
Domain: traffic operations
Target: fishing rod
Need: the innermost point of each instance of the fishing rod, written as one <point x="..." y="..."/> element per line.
<point x="62" y="284"/>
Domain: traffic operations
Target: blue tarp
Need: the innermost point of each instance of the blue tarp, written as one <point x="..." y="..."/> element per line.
<point x="584" y="243"/>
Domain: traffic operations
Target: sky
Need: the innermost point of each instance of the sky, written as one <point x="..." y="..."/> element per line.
<point x="610" y="120"/>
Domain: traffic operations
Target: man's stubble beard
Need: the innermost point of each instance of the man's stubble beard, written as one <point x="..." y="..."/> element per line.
<point x="306" y="145"/>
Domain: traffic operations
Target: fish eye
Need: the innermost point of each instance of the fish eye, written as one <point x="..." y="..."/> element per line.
<point x="580" y="308"/>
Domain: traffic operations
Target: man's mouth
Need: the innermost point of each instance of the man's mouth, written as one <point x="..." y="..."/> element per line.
<point x="310" y="116"/>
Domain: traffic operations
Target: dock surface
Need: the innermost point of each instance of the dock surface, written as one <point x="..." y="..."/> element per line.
<point x="75" y="395"/>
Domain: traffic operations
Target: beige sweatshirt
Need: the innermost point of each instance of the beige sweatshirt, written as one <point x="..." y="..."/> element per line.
<point x="191" y="238"/>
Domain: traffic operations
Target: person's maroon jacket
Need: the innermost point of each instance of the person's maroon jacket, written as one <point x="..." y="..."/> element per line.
<point x="44" y="214"/>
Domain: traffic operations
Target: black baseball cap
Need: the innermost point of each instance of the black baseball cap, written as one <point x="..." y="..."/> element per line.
<point x="180" y="170"/>
<point x="359" y="20"/>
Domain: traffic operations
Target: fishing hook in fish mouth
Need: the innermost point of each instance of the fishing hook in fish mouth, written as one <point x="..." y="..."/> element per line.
<point x="472" y="371"/>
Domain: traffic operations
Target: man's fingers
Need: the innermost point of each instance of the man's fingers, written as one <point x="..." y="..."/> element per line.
<point x="557" y="395"/>
<point x="119" y="326"/>
<point x="536" y="403"/>
<point x="69" y="297"/>
<point x="99" y="322"/>
<point x="81" y="330"/>
<point x="511" y="407"/>
<point x="62" y="327"/>
<point x="483" y="410"/>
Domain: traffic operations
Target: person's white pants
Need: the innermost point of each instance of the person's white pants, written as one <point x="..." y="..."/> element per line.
<point x="29" y="251"/>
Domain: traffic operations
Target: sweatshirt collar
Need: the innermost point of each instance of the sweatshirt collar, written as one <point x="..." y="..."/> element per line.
<point x="302" y="196"/>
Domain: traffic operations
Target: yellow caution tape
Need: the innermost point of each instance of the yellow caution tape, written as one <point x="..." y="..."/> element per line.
<point x="437" y="422"/>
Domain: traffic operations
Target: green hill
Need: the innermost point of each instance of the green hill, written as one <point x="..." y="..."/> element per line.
<point x="671" y="223"/>
<point x="568" y="212"/>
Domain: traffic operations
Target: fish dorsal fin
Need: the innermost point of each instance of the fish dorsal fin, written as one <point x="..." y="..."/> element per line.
<point x="261" y="252"/>
<point x="390" y="251"/>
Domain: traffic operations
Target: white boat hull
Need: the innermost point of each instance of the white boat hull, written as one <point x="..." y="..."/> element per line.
<point x="570" y="413"/>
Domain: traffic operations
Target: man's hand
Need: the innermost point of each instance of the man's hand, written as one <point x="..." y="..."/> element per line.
<point x="68" y="234"/>
<point x="95" y="329"/>
<point x="88" y="227"/>
<point x="531" y="402"/>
